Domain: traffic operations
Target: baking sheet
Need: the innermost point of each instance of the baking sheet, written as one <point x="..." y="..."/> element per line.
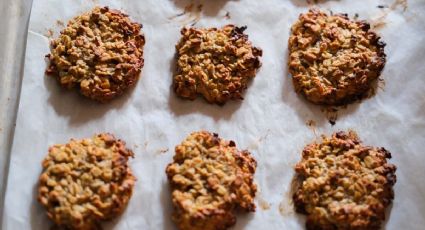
<point x="271" y="122"/>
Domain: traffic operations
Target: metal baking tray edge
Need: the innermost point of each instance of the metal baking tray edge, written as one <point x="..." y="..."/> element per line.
<point x="14" y="15"/>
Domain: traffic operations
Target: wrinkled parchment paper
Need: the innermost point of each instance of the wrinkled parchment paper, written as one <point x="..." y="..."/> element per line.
<point x="270" y="122"/>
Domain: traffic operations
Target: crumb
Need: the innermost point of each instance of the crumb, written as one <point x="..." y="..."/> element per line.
<point x="227" y="16"/>
<point x="379" y="24"/>
<point x="331" y="113"/>
<point x="60" y="23"/>
<point x="381" y="84"/>
<point x="310" y="123"/>
<point x="264" y="205"/>
<point x="356" y="16"/>
<point x="162" y="150"/>
<point x="282" y="209"/>
<point x="382" y="6"/>
<point x="286" y="208"/>
<point x="49" y="33"/>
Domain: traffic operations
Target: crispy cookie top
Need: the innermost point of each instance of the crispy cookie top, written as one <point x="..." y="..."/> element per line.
<point x="334" y="60"/>
<point x="86" y="181"/>
<point x="99" y="52"/>
<point x="215" y="63"/>
<point x="345" y="185"/>
<point x="210" y="177"/>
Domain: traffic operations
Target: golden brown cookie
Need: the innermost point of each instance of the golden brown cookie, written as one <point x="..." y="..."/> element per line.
<point x="86" y="181"/>
<point x="100" y="53"/>
<point x="210" y="178"/>
<point x="344" y="185"/>
<point x="215" y="63"/>
<point x="334" y="60"/>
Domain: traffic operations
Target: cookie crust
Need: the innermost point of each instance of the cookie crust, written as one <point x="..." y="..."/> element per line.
<point x="343" y="184"/>
<point x="210" y="178"/>
<point x="216" y="63"/>
<point x="100" y="53"/>
<point x="334" y="60"/>
<point x="86" y="181"/>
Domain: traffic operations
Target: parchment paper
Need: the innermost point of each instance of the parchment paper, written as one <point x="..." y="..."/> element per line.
<point x="270" y="122"/>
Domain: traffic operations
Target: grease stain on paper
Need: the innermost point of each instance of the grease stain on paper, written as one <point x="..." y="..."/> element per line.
<point x="190" y="15"/>
<point x="256" y="143"/>
<point x="380" y="20"/>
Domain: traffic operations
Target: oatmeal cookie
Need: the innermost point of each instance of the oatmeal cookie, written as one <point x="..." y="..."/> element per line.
<point x="215" y="63"/>
<point x="86" y="181"/>
<point x="99" y="52"/>
<point x="210" y="178"/>
<point x="343" y="184"/>
<point x="334" y="60"/>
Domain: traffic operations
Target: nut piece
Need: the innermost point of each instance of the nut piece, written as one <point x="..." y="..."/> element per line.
<point x="210" y="178"/>
<point x="343" y="184"/>
<point x="333" y="60"/>
<point x="86" y="181"/>
<point x="216" y="63"/>
<point x="99" y="52"/>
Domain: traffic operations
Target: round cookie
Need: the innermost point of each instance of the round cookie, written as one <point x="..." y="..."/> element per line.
<point x="210" y="178"/>
<point x="215" y="63"/>
<point x="343" y="184"/>
<point x="99" y="52"/>
<point x="332" y="59"/>
<point x="86" y="181"/>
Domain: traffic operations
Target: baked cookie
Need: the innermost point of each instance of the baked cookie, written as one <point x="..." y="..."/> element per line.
<point x="86" y="181"/>
<point x="334" y="60"/>
<point x="100" y="53"/>
<point x="215" y="63"/>
<point x="343" y="184"/>
<point x="210" y="178"/>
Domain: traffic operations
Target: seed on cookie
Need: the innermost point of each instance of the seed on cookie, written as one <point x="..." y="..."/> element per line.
<point x="99" y="52"/>
<point x="210" y="178"/>
<point x="334" y="60"/>
<point x="216" y="63"/>
<point x="86" y="181"/>
<point x="343" y="184"/>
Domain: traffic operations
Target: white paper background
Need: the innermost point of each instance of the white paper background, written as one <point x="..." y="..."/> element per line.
<point x="270" y="122"/>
